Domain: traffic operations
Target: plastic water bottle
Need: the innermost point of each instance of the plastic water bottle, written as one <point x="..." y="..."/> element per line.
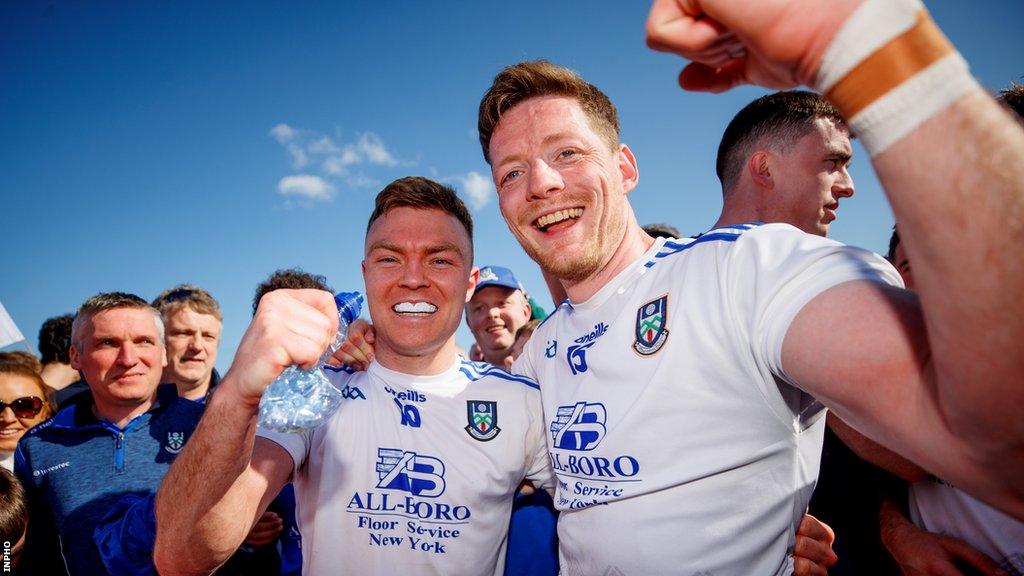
<point x="303" y="399"/>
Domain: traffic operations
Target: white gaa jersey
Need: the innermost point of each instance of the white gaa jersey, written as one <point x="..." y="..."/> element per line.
<point x="676" y="448"/>
<point x="416" y="474"/>
<point x="940" y="507"/>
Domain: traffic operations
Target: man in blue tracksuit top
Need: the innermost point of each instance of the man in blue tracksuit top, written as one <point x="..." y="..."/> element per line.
<point x="102" y="449"/>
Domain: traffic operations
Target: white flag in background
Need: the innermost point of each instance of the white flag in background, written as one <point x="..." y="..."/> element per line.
<point x="9" y="333"/>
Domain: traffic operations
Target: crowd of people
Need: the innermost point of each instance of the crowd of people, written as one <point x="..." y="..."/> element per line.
<point x="667" y="417"/>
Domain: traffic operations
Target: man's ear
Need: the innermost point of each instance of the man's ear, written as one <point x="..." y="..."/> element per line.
<point x="759" y="167"/>
<point x="73" y="356"/>
<point x="474" y="277"/>
<point x="628" y="168"/>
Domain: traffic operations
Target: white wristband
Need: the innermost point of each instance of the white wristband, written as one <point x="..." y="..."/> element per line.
<point x="889" y="69"/>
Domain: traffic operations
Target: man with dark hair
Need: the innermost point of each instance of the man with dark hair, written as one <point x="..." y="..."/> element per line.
<point x="783" y="158"/>
<point x="193" y="323"/>
<point x="415" y="471"/>
<point x="78" y="464"/>
<point x="54" y="342"/>
<point x="697" y="366"/>
<point x="661" y="231"/>
<point x="290" y="278"/>
<point x="1012" y="98"/>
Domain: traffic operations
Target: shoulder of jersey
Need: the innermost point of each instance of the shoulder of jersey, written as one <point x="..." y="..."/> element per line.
<point x="476" y="371"/>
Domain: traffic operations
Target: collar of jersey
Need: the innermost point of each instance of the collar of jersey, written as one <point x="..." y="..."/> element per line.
<point x="448" y="383"/>
<point x="619" y="283"/>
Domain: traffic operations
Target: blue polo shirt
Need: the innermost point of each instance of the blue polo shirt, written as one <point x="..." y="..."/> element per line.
<point x="75" y="467"/>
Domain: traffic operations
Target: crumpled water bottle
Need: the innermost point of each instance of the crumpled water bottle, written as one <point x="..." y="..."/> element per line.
<point x="303" y="399"/>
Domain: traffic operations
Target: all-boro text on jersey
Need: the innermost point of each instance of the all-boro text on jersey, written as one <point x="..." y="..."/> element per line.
<point x="581" y="427"/>
<point x="426" y="524"/>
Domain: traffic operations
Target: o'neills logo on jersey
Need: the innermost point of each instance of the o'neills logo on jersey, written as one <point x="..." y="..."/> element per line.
<point x="409" y="412"/>
<point x="576" y="354"/>
<point x="580" y="427"/>
<point x="651" y="326"/>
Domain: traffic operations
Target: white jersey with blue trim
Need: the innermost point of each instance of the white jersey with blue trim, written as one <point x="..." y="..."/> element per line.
<point x="416" y="474"/>
<point x="678" y="446"/>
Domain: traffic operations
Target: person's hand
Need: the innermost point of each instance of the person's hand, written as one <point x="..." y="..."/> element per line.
<point x="357" y="351"/>
<point x="265" y="531"/>
<point x="772" y="43"/>
<point x="922" y="553"/>
<point x="290" y="327"/>
<point x="813" y="554"/>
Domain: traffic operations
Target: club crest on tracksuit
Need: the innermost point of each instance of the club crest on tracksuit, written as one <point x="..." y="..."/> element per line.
<point x="651" y="326"/>
<point x="175" y="442"/>
<point x="482" y="416"/>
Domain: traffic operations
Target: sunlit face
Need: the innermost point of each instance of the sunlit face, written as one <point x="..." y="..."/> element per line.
<point x="902" y="264"/>
<point x="122" y="357"/>
<point x="418" y="274"/>
<point x="192" y="340"/>
<point x="810" y="178"/>
<point x="12" y="426"/>
<point x="561" y="188"/>
<point x="494" y="314"/>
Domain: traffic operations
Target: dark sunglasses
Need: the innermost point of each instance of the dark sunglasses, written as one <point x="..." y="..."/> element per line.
<point x="24" y="407"/>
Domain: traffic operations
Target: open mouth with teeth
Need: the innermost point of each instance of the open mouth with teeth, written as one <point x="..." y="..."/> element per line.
<point x="414" y="308"/>
<point x="547" y="221"/>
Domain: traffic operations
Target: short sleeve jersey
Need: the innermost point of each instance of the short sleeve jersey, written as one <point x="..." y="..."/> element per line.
<point x="415" y="474"/>
<point x="678" y="445"/>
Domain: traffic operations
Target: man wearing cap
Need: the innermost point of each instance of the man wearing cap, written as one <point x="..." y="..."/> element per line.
<point x="498" y="308"/>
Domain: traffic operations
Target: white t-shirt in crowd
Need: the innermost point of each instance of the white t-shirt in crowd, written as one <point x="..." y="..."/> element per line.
<point x="678" y="446"/>
<point x="940" y="507"/>
<point x="416" y="474"/>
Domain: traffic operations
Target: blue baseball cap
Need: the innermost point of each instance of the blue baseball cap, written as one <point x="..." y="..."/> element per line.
<point x="497" y="276"/>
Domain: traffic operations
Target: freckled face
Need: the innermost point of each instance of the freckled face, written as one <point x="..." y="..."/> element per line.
<point x="561" y="187"/>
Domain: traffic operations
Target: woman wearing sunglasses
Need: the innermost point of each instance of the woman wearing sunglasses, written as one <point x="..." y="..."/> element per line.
<point x="25" y="401"/>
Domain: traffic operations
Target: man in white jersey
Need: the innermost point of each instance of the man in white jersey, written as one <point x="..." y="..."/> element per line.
<point x="415" y="472"/>
<point x="677" y="384"/>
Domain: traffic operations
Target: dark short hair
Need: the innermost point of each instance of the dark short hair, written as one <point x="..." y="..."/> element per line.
<point x="781" y="119"/>
<point x="55" y="339"/>
<point x="661" y="231"/>
<point x="110" y="301"/>
<point x="419" y="192"/>
<point x="1012" y="98"/>
<point x="536" y="78"/>
<point x="13" y="507"/>
<point x="290" y="278"/>
<point x="894" y="242"/>
<point x="174" y="299"/>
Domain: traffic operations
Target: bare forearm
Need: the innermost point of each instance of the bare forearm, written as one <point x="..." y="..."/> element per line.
<point x="957" y="188"/>
<point x="203" y="508"/>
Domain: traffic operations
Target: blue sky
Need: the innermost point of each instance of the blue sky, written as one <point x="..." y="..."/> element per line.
<point x="152" y="143"/>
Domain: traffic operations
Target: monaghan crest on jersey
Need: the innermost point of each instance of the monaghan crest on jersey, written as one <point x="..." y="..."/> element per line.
<point x="651" y="326"/>
<point x="175" y="442"/>
<point x="483" y="419"/>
